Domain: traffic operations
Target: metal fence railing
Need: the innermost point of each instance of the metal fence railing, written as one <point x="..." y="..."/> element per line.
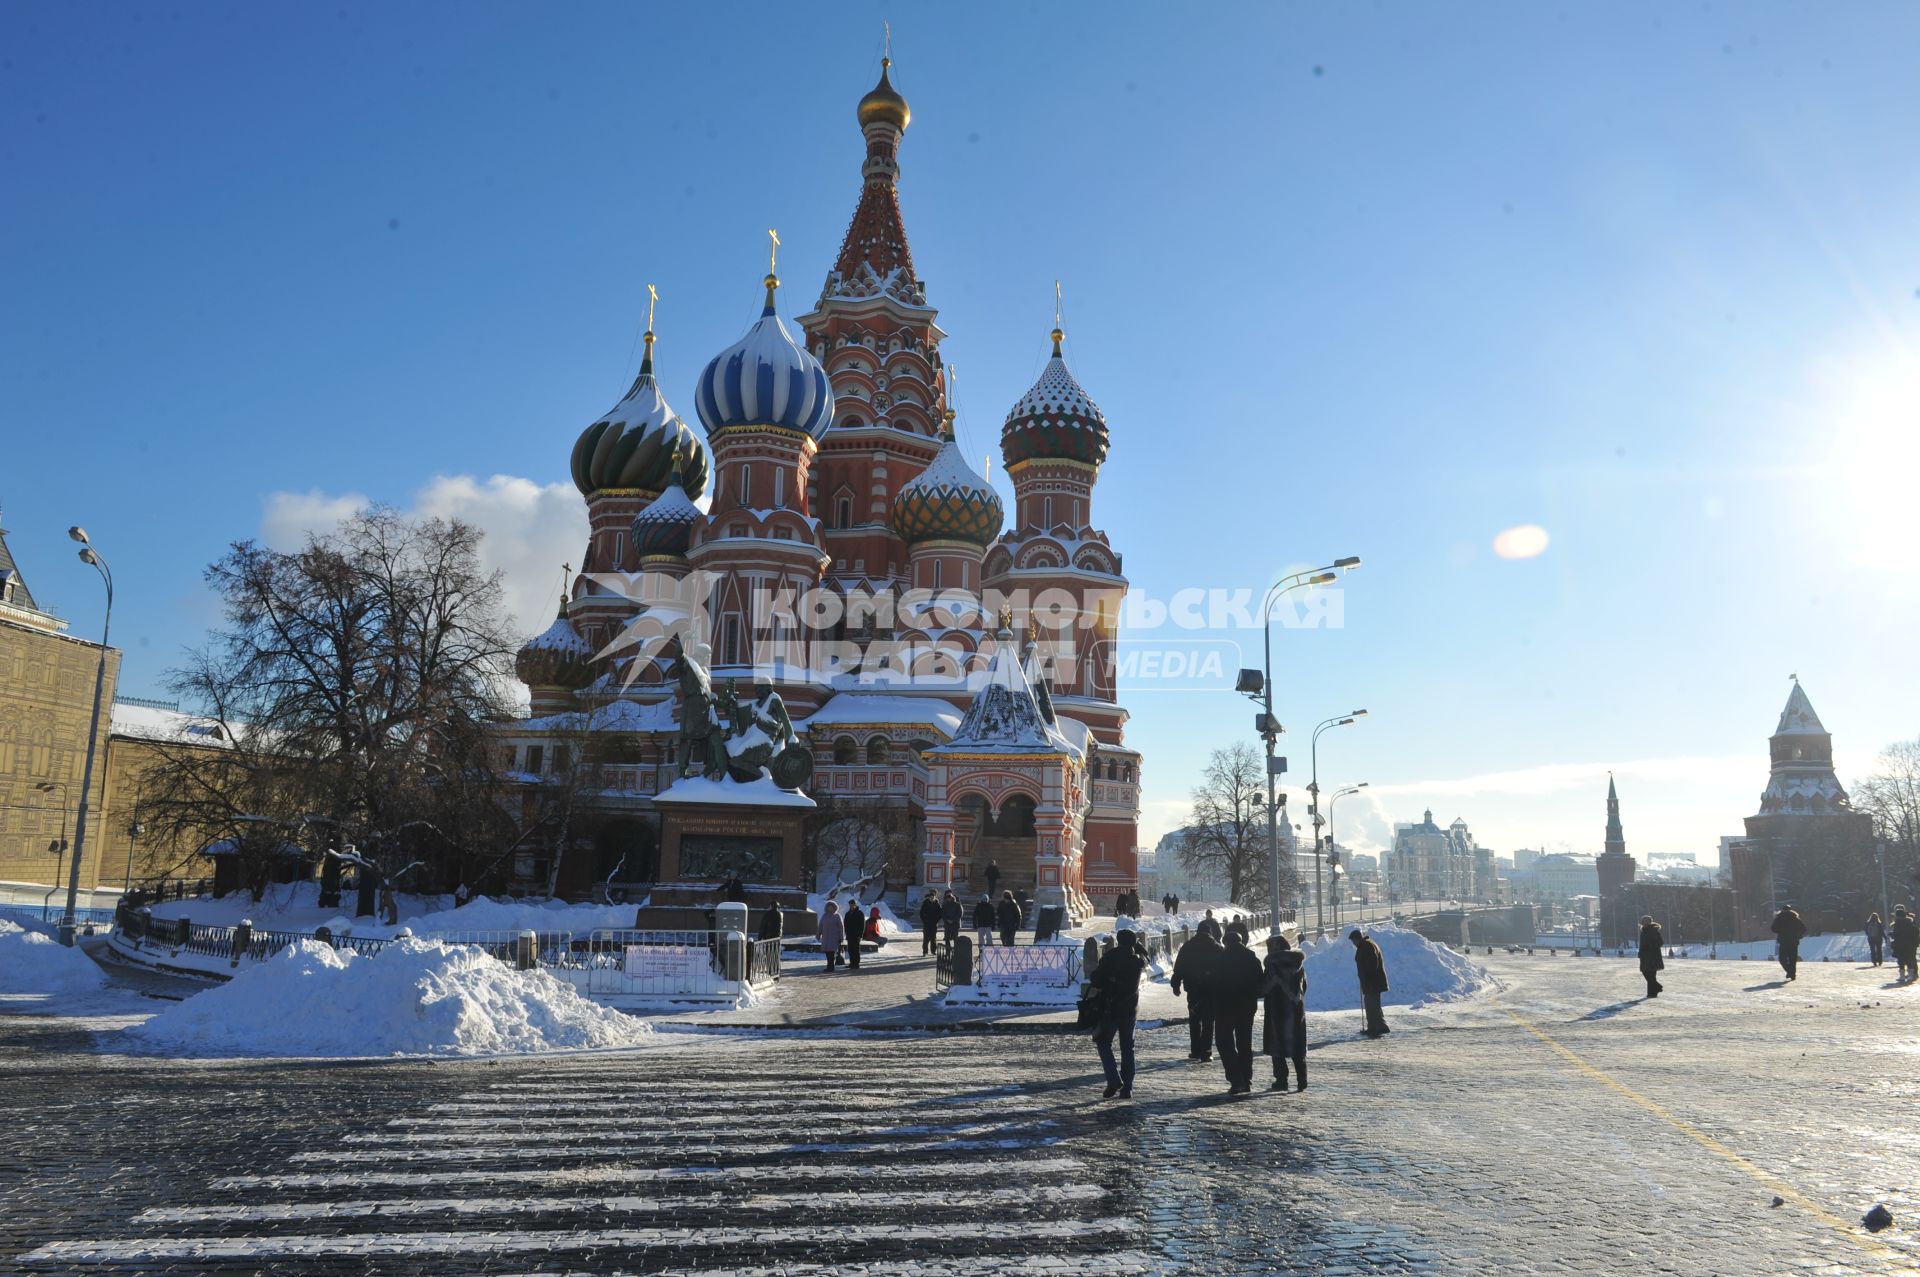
<point x="635" y="963"/>
<point x="1049" y="964"/>
<point x="763" y="962"/>
<point x="943" y="965"/>
<point x="550" y="948"/>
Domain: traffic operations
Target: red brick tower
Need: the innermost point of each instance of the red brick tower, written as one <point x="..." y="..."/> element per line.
<point x="1615" y="870"/>
<point x="875" y="333"/>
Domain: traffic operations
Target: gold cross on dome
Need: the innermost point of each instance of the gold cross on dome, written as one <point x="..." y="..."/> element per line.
<point x="653" y="295"/>
<point x="773" y="252"/>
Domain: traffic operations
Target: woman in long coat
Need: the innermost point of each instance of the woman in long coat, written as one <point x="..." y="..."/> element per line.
<point x="1651" y="959"/>
<point x="1286" y="1022"/>
<point x="832" y="933"/>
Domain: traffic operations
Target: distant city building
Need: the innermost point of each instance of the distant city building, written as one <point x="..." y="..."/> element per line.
<point x="1562" y="876"/>
<point x="1427" y="862"/>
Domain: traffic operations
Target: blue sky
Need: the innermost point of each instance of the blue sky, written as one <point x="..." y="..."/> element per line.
<point x="1382" y="280"/>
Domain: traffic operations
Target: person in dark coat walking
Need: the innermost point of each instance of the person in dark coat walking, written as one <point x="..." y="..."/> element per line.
<point x="1236" y="998"/>
<point x="929" y="923"/>
<point x="856" y="924"/>
<point x="1789" y="929"/>
<point x="1210" y="926"/>
<point x="993" y="877"/>
<point x="984" y="920"/>
<point x="1286" y="1023"/>
<point x="832" y="931"/>
<point x="1652" y="961"/>
<point x="950" y="917"/>
<point x="1906" y="942"/>
<point x="1007" y="914"/>
<point x="1372" y="967"/>
<point x="1175" y="903"/>
<point x="1238" y="926"/>
<point x="1876" y="937"/>
<point x="1117" y="979"/>
<point x="773" y="924"/>
<point x="1198" y="967"/>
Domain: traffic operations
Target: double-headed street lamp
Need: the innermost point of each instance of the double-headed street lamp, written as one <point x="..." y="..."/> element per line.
<point x="1333" y="850"/>
<point x="1257" y="685"/>
<point x="68" y="923"/>
<point x="1313" y="806"/>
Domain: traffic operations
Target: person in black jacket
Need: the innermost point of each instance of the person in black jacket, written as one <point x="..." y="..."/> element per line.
<point x="1117" y="980"/>
<point x="1210" y="926"/>
<point x="950" y="917"/>
<point x="1876" y="938"/>
<point x="1371" y="966"/>
<point x="984" y="920"/>
<point x="856" y="925"/>
<point x="1906" y="942"/>
<point x="1007" y="914"/>
<point x="1236" y="997"/>
<point x="1197" y="967"/>
<point x="929" y="923"/>
<point x="1286" y="1024"/>
<point x="993" y="877"/>
<point x="1789" y="929"/>
<point x="1651" y="959"/>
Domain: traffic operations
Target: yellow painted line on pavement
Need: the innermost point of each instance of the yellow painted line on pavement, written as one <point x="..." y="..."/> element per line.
<point x="1779" y="1187"/>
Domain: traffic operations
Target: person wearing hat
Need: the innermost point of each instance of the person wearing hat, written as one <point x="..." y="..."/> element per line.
<point x="1371" y="965"/>
<point x="1117" y="980"/>
<point x="1237" y="997"/>
<point x="1197" y="969"/>
<point x="1651" y="959"/>
<point x="1789" y="929"/>
<point x="1906" y="942"/>
<point x="1286" y="1023"/>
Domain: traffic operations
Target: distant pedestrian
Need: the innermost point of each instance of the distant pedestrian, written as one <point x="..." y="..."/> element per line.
<point x="950" y="917"/>
<point x="1236" y="998"/>
<point x="773" y="924"/>
<point x="1789" y="929"/>
<point x="1120" y="905"/>
<point x="993" y="877"/>
<point x="1651" y="959"/>
<point x="1166" y="903"/>
<point x="1197" y="967"/>
<point x="856" y="924"/>
<point x="832" y="932"/>
<point x="984" y="920"/>
<point x="1133" y="904"/>
<point x="1906" y="942"/>
<point x="1371" y="965"/>
<point x="929" y="923"/>
<point x="1238" y="926"/>
<point x="1007" y="915"/>
<point x="1210" y="926"/>
<point x="1117" y="980"/>
<point x="1286" y="1022"/>
<point x="1176" y="904"/>
<point x="734" y="890"/>
<point x="1876" y="937"/>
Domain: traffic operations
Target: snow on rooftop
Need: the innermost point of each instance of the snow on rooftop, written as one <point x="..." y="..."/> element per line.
<point x="1005" y="716"/>
<point x="848" y="708"/>
<point x="147" y="722"/>
<point x="1798" y="718"/>
<point x="761" y="792"/>
<point x="615" y="716"/>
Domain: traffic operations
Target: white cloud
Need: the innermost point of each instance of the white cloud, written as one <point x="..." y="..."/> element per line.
<point x="531" y="529"/>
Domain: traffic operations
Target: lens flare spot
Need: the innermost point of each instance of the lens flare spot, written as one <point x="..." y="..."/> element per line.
<point x="1527" y="541"/>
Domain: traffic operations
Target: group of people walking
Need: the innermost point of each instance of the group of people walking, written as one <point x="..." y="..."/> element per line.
<point x="849" y="929"/>
<point x="1905" y="934"/>
<point x="1226" y="984"/>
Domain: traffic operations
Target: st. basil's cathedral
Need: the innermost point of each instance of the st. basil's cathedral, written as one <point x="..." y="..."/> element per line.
<point x="985" y="728"/>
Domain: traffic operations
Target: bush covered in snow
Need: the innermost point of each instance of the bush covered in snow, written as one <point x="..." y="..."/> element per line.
<point x="413" y="997"/>
<point x="1418" y="971"/>
<point x="32" y="962"/>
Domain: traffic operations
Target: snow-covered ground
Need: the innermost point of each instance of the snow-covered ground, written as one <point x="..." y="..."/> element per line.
<point x="413" y="997"/>
<point x="296" y="907"/>
<point x="1419" y="972"/>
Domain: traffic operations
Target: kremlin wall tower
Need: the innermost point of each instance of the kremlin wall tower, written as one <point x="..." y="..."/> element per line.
<point x="949" y="662"/>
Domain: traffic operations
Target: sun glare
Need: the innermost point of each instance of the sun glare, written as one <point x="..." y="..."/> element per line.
<point x="1874" y="428"/>
<point x="1526" y="541"/>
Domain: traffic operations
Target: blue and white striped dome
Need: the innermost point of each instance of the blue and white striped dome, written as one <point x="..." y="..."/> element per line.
<point x="766" y="379"/>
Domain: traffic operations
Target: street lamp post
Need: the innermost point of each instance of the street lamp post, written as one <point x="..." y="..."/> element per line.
<point x="1334" y="875"/>
<point x="1313" y="808"/>
<point x="1258" y="686"/>
<point x="91" y="556"/>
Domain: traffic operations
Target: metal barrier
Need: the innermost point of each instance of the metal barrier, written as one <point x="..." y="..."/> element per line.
<point x="1048" y="964"/>
<point x="943" y="965"/>
<point x="658" y="964"/>
<point x="763" y="962"/>
<point x="550" y="948"/>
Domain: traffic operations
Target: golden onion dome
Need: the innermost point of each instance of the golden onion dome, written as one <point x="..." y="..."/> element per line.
<point x="884" y="104"/>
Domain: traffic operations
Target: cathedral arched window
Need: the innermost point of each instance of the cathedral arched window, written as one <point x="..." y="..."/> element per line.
<point x="844" y="513"/>
<point x="845" y="750"/>
<point x="1046" y="512"/>
<point x="779" y="487"/>
<point x="746" y="484"/>
<point x="878" y="750"/>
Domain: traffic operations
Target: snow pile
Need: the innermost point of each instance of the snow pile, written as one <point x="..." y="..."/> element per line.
<point x="414" y="997"/>
<point x="483" y="913"/>
<point x="1418" y="971"/>
<point x="33" y="962"/>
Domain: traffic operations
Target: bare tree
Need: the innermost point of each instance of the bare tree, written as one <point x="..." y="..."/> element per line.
<point x="1226" y="832"/>
<point x="861" y="840"/>
<point x="356" y="678"/>
<point x="1891" y="795"/>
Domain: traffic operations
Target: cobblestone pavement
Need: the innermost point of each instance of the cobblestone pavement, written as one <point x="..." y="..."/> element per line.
<point x="1562" y="1127"/>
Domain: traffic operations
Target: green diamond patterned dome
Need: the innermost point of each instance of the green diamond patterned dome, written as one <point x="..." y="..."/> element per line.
<point x="947" y="501"/>
<point x="1056" y="420"/>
